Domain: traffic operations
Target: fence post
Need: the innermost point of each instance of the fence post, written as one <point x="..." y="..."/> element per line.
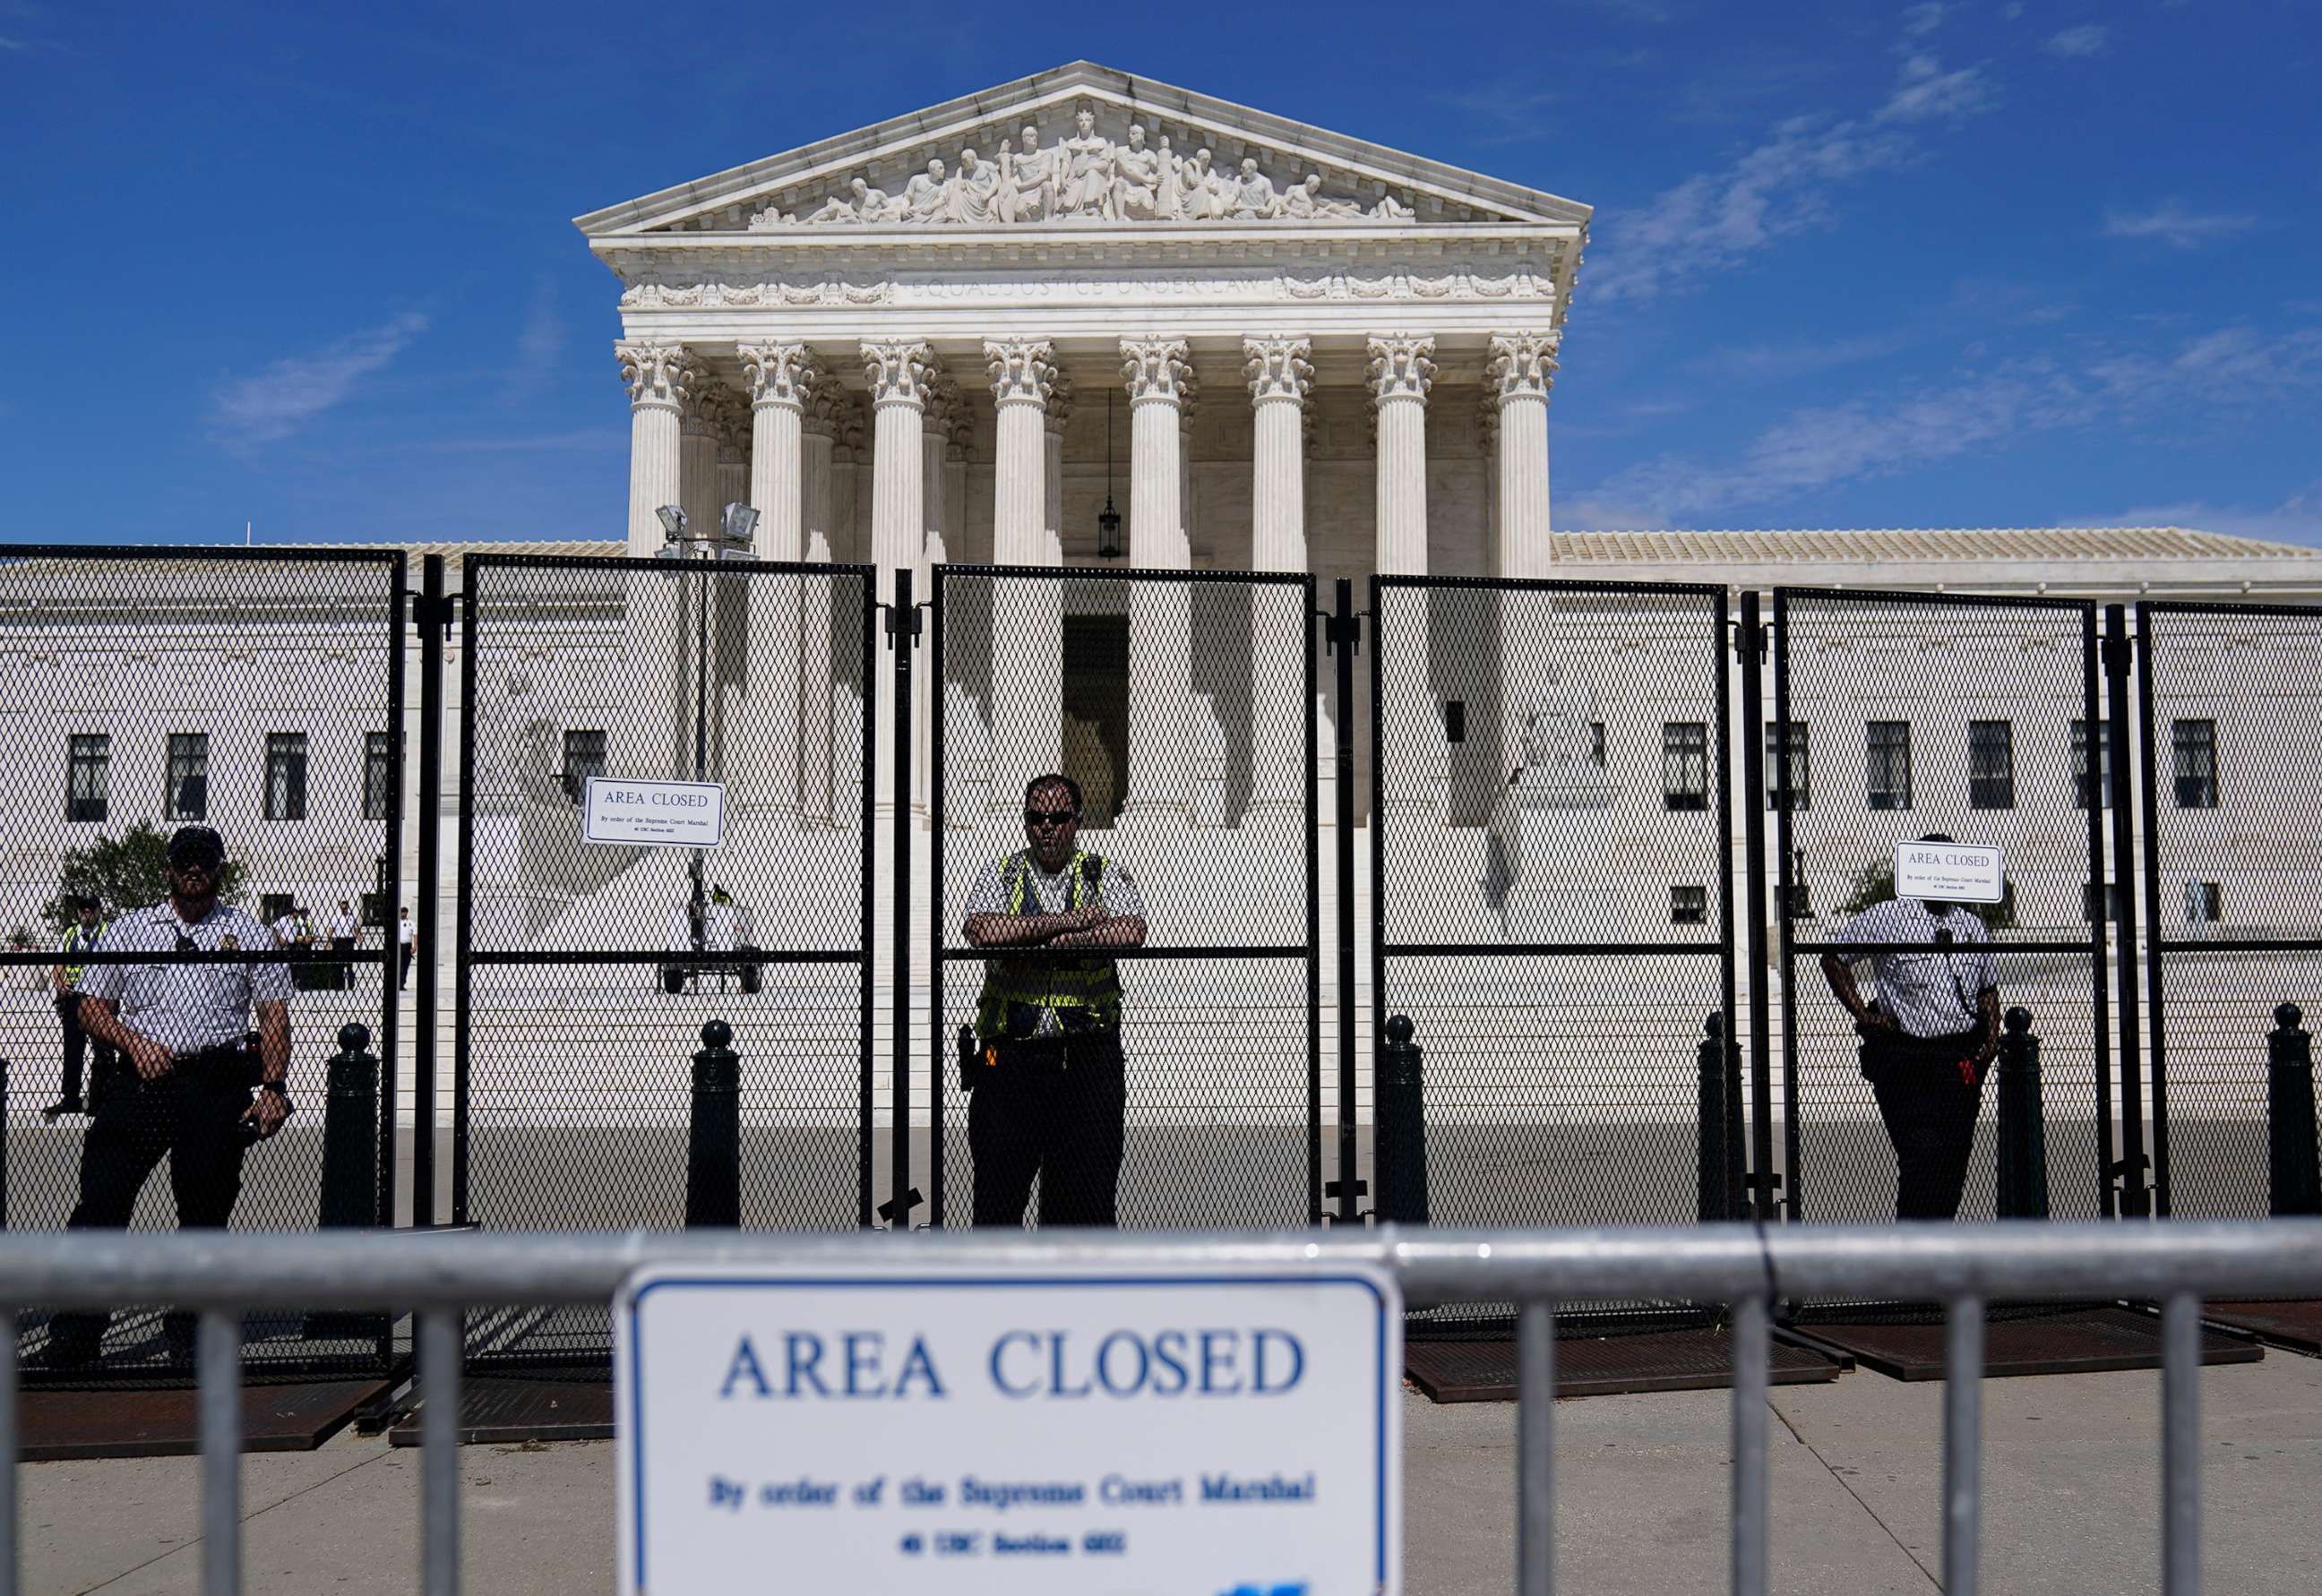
<point x="1710" y="1114"/>
<point x="2023" y="1124"/>
<point x="2293" y="1182"/>
<point x="349" y="1195"/>
<point x="1402" y="1152"/>
<point x="713" y="1143"/>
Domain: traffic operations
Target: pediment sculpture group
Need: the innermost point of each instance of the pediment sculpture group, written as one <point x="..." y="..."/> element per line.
<point x="1089" y="175"/>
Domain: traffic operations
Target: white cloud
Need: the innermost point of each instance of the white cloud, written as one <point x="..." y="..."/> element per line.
<point x="537" y="345"/>
<point x="1505" y="113"/>
<point x="1774" y="362"/>
<point x="1821" y="446"/>
<point x="296" y="389"/>
<point x="1920" y="21"/>
<point x="2173" y="223"/>
<point x="2088" y="39"/>
<point x="1713" y="221"/>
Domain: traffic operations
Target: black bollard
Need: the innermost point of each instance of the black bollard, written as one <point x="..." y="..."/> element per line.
<point x="713" y="1147"/>
<point x="2022" y="1123"/>
<point x="1402" y="1152"/>
<point x="1711" y="1110"/>
<point x="350" y="1196"/>
<point x="2293" y="1182"/>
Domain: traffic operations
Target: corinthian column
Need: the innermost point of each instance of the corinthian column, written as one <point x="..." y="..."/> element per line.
<point x="821" y="806"/>
<point x="1027" y="612"/>
<point x="1399" y="374"/>
<point x="1281" y="375"/>
<point x="1521" y="370"/>
<point x="780" y="378"/>
<point x="901" y="376"/>
<point x="660" y="379"/>
<point x="1158" y="372"/>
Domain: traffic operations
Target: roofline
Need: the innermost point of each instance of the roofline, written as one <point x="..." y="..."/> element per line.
<point x="800" y="163"/>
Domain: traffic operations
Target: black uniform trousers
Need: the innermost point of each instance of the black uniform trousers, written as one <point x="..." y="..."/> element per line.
<point x="78" y="1043"/>
<point x="345" y="946"/>
<point x="1929" y="1107"/>
<point x="1050" y="1107"/>
<point x="194" y="1116"/>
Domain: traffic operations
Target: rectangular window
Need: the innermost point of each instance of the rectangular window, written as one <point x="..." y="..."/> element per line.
<point x="89" y="763"/>
<point x="1684" y="764"/>
<point x="2194" y="746"/>
<point x="1597" y="743"/>
<point x="1991" y="764"/>
<point x="187" y="795"/>
<point x="2091" y="766"/>
<point x="1801" y="776"/>
<point x="274" y="905"/>
<point x="2204" y="906"/>
<point x="584" y="756"/>
<point x="1888" y="742"/>
<point x="379" y="763"/>
<point x="374" y="909"/>
<point x="1688" y="905"/>
<point x="1455" y="720"/>
<point x="286" y="775"/>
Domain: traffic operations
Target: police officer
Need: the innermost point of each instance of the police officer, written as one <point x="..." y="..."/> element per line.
<point x="1929" y="1040"/>
<point x="296" y="931"/>
<point x="344" y="928"/>
<point x="1048" y="1091"/>
<point x="188" y="1086"/>
<point x="80" y="938"/>
<point x="406" y="934"/>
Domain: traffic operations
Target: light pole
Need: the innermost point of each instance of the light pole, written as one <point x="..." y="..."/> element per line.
<point x="729" y="539"/>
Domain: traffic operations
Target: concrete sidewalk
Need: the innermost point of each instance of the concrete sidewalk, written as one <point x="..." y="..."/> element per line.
<point x="2070" y="1498"/>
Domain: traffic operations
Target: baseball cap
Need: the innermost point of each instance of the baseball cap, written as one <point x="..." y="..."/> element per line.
<point x="197" y="845"/>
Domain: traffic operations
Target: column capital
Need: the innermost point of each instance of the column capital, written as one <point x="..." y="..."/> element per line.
<point x="1401" y="367"/>
<point x="657" y="374"/>
<point x="1279" y="367"/>
<point x="949" y="416"/>
<point x="1059" y="406"/>
<point x="780" y="374"/>
<point x="901" y="372"/>
<point x="825" y="408"/>
<point x="720" y="410"/>
<point x="1521" y="365"/>
<point x="1189" y="395"/>
<point x="1023" y="370"/>
<point x="1157" y="368"/>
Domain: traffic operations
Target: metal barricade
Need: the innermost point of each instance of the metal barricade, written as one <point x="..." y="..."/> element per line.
<point x="1182" y="704"/>
<point x="437" y="1278"/>
<point x="647" y="1035"/>
<point x="260" y="693"/>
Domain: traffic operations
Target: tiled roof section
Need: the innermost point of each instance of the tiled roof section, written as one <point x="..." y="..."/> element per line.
<point x="1774" y="548"/>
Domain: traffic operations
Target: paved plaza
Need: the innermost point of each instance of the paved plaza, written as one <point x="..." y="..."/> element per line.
<point x="2070" y="1498"/>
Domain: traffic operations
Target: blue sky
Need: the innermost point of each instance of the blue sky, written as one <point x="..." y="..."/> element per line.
<point x="1998" y="262"/>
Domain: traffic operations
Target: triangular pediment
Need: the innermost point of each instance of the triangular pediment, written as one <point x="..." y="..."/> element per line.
<point x="1079" y="174"/>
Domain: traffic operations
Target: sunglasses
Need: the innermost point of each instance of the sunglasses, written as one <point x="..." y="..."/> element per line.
<point x="1049" y="816"/>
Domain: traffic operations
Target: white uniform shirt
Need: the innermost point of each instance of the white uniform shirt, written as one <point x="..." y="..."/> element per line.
<point x="344" y="923"/>
<point x="1930" y="993"/>
<point x="290" y="928"/>
<point x="407" y="932"/>
<point x="185" y="1006"/>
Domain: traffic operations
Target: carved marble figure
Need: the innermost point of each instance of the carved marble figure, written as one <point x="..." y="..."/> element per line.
<point x="927" y="197"/>
<point x="1254" y="197"/>
<point x="976" y="190"/>
<point x="1027" y="179"/>
<point x="1086" y="189"/>
<point x="1137" y="179"/>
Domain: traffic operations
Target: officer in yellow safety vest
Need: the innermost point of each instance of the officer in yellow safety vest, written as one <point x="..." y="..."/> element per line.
<point x="1047" y="1083"/>
<point x="64" y="977"/>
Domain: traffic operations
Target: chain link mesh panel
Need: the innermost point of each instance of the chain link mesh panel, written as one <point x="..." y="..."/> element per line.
<point x="1552" y="903"/>
<point x="590" y="972"/>
<point x="2231" y="700"/>
<point x="260" y="694"/>
<point x="1905" y="714"/>
<point x="1181" y="703"/>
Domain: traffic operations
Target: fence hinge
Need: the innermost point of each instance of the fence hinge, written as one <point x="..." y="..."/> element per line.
<point x="1349" y="631"/>
<point x="432" y="612"/>
<point x="1747" y="637"/>
<point x="903" y="623"/>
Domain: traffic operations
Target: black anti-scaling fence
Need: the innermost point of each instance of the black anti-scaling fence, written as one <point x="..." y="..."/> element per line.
<point x="1902" y="715"/>
<point x="651" y="1031"/>
<point x="1182" y="704"/>
<point x="2230" y="728"/>
<point x="260" y="694"/>
<point x="1551" y="909"/>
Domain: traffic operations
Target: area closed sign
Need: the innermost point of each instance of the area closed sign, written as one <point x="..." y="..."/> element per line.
<point x="1163" y="1432"/>
<point x="1951" y="872"/>
<point x="653" y="814"/>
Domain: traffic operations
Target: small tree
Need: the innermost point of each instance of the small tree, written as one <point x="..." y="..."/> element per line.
<point x="1875" y="883"/>
<point x="122" y="874"/>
